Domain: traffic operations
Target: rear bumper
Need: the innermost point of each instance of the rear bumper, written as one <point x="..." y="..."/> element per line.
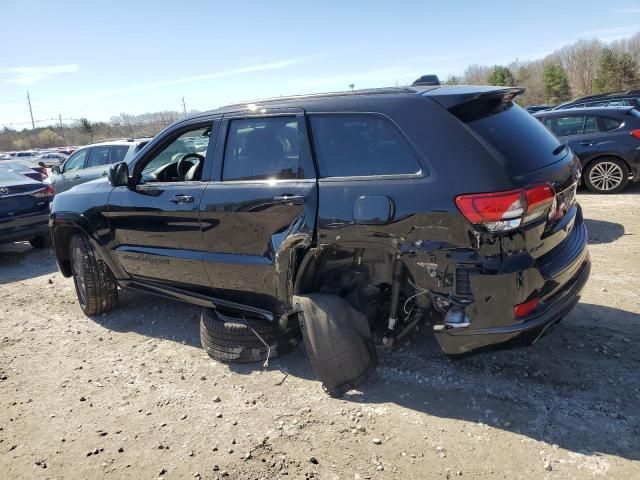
<point x="560" y="293"/>
<point x="24" y="227"/>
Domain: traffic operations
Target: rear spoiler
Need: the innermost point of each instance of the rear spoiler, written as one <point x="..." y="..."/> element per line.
<point x="470" y="103"/>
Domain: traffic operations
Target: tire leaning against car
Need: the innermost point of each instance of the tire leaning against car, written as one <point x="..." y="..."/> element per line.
<point x="234" y="340"/>
<point x="616" y="171"/>
<point x="96" y="287"/>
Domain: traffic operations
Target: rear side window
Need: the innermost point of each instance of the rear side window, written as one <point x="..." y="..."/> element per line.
<point x="360" y="145"/>
<point x="98" y="156"/>
<point x="117" y="153"/>
<point x="263" y="148"/>
<point x="524" y="143"/>
<point x="609" y="103"/>
<point x="610" y="123"/>
<point x="575" y="125"/>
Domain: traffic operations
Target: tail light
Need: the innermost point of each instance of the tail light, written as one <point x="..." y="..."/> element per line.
<point x="504" y="211"/>
<point x="47" y="191"/>
<point x="524" y="309"/>
<point x="635" y="133"/>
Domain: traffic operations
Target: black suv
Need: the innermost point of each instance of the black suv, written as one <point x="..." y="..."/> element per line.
<point x="628" y="98"/>
<point x="349" y="216"/>
<point x="606" y="140"/>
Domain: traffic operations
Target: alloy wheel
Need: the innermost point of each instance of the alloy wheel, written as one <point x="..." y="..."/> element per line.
<point x="606" y="176"/>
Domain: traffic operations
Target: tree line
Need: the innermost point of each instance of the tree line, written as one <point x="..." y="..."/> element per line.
<point x="83" y="131"/>
<point x="584" y="67"/>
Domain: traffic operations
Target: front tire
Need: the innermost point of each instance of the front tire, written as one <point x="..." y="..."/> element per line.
<point x="606" y="175"/>
<point x="95" y="285"/>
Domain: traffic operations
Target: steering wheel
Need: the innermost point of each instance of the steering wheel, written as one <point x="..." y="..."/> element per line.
<point x="183" y="165"/>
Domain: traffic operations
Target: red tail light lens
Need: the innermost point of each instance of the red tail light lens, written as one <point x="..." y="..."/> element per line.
<point x="635" y="133"/>
<point x="502" y="211"/>
<point x="524" y="309"/>
<point x="47" y="191"/>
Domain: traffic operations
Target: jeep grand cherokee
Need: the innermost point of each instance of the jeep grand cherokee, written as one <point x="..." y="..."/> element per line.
<point x="356" y="213"/>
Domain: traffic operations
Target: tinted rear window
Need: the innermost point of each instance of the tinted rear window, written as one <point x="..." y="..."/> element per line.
<point x="523" y="141"/>
<point x="360" y="145"/>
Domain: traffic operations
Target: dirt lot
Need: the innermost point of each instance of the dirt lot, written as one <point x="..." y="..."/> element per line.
<point x="132" y="394"/>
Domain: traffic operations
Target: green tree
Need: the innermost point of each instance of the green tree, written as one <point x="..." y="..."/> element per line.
<point x="21" y="144"/>
<point x="453" y="80"/>
<point x="627" y="68"/>
<point x="86" y="127"/>
<point x="500" y="75"/>
<point x="556" y="83"/>
<point x="48" y="137"/>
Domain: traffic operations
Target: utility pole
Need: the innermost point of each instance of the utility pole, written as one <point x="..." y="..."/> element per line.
<point x="184" y="107"/>
<point x="61" y="127"/>
<point x="33" y="125"/>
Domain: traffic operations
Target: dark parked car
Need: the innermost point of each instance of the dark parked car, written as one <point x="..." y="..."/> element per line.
<point x="24" y="209"/>
<point x="40" y="174"/>
<point x="345" y="216"/>
<point x="606" y="140"/>
<point x="627" y="98"/>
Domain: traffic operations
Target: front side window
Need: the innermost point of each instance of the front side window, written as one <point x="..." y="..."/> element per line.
<point x="76" y="161"/>
<point x="98" y="156"/>
<point x="263" y="149"/>
<point x="117" y="153"/>
<point x="569" y="125"/>
<point x="181" y="160"/>
<point x="361" y="145"/>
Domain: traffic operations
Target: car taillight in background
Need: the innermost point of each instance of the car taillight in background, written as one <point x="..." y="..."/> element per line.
<point x="504" y="211"/>
<point x="47" y="191"/>
<point x="635" y="133"/>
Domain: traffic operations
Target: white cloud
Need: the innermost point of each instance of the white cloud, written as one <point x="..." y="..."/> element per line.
<point x="206" y="76"/>
<point x="31" y="75"/>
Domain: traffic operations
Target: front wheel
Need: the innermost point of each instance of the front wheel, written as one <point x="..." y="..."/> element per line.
<point x="606" y="175"/>
<point x="95" y="285"/>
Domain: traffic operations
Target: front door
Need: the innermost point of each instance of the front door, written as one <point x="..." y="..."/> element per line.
<point x="260" y="207"/>
<point x="71" y="171"/>
<point x="155" y="222"/>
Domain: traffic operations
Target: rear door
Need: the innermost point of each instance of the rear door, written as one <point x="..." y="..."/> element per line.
<point x="155" y="223"/>
<point x="260" y="207"/>
<point x="580" y="132"/>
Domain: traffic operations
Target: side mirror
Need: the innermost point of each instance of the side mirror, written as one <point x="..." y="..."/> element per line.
<point x="42" y="164"/>
<point x="118" y="174"/>
<point x="55" y="169"/>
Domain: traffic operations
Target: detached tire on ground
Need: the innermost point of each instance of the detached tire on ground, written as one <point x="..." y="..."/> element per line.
<point x="96" y="287"/>
<point x="232" y="340"/>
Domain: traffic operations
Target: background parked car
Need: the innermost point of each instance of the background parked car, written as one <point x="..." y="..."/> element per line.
<point x="606" y="140"/>
<point x="40" y="175"/>
<point x="91" y="162"/>
<point x="628" y="98"/>
<point x="52" y="158"/>
<point x="538" y="108"/>
<point x="24" y="209"/>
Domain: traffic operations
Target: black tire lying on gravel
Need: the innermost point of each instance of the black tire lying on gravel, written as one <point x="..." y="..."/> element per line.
<point x="232" y="340"/>
<point x="41" y="241"/>
<point x="96" y="287"/>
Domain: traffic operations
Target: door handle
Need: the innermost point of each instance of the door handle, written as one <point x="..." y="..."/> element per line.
<point x="177" y="199"/>
<point x="77" y="177"/>
<point x="289" y="199"/>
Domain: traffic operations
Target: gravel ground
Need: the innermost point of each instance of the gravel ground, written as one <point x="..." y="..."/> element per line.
<point x="132" y="394"/>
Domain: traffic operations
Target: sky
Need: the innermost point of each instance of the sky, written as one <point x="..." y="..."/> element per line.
<point x="99" y="59"/>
